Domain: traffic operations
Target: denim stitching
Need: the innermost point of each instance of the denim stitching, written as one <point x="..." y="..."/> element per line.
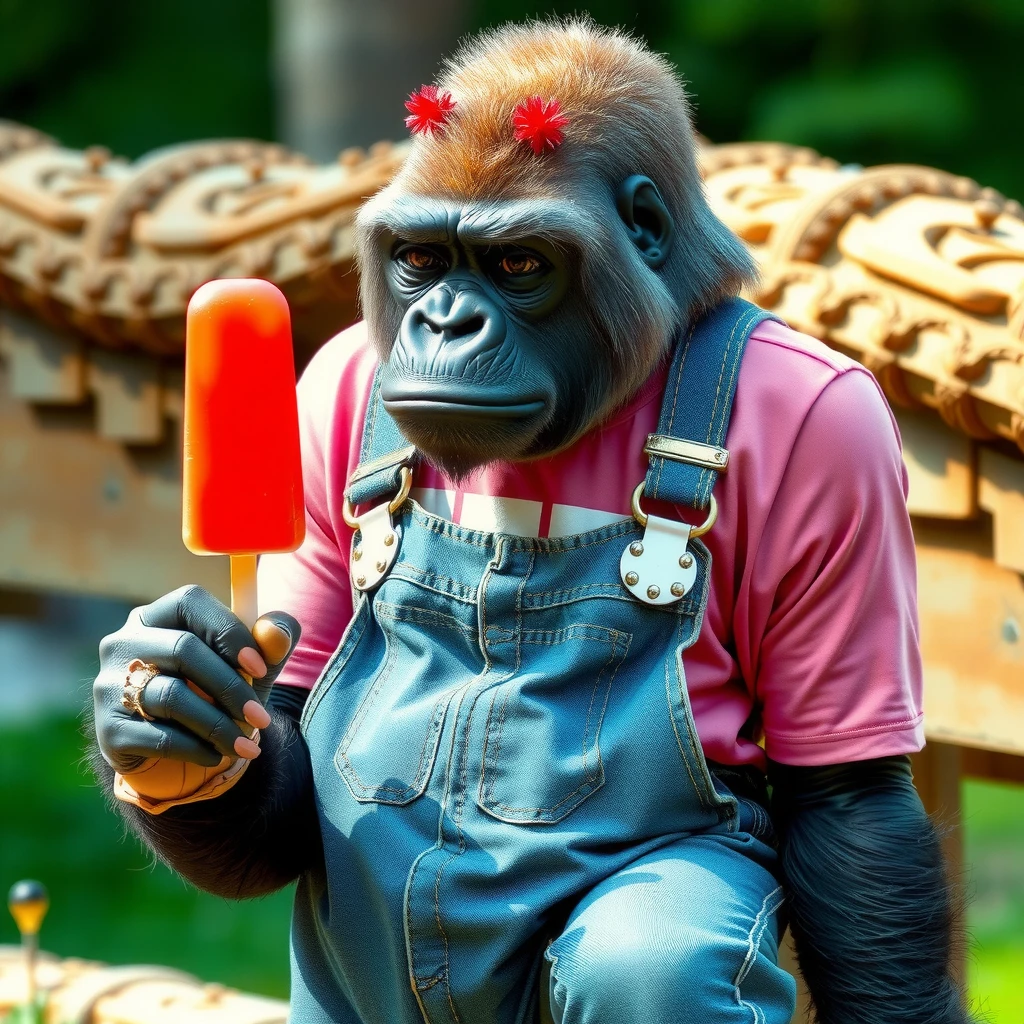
<point x="372" y="423"/>
<point x="335" y="664"/>
<point x="447" y="586"/>
<point x="424" y="616"/>
<point x="706" y="791"/>
<point x="675" y="399"/>
<point x="611" y="636"/>
<point x="542" y="600"/>
<point x="675" y="730"/>
<point x="460" y="801"/>
<point x="731" y="357"/>
<point x="714" y="410"/>
<point x="519" y="609"/>
<point x="769" y="905"/>
<point x="349" y="771"/>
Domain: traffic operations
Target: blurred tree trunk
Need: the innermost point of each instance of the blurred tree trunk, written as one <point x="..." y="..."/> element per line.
<point x="345" y="67"/>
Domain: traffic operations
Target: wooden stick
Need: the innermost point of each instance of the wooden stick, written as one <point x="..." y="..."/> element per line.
<point x="243" y="588"/>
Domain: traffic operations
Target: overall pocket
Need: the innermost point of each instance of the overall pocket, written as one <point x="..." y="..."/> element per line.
<point x="542" y="753"/>
<point x="388" y="750"/>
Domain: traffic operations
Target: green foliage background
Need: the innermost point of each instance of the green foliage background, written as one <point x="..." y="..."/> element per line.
<point x="865" y="81"/>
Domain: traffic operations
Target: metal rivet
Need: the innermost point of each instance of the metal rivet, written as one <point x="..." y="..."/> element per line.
<point x="357" y="554"/>
<point x="719" y="456"/>
<point x="360" y="580"/>
<point x="678" y="590"/>
<point x="636" y="548"/>
<point x="686" y="561"/>
<point x="381" y="565"/>
<point x="632" y="579"/>
<point x="653" y="592"/>
<point x="389" y="540"/>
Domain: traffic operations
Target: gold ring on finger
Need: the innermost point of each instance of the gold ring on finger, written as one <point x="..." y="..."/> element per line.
<point x="140" y="675"/>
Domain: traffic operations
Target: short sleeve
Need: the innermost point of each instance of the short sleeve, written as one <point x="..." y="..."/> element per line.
<point x="838" y="671"/>
<point x="312" y="582"/>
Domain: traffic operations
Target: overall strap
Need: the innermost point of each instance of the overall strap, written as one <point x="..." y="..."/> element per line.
<point x="382" y="455"/>
<point x="687" y="453"/>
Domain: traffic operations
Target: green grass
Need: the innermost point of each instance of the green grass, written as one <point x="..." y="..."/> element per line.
<point x="993" y="816"/>
<point x="109" y="902"/>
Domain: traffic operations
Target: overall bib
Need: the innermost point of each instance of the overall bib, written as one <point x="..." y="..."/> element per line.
<point x="508" y="774"/>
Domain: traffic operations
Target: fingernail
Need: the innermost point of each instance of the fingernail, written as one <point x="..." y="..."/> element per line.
<point x="249" y="658"/>
<point x="256" y="714"/>
<point x="273" y="638"/>
<point x="246" y="748"/>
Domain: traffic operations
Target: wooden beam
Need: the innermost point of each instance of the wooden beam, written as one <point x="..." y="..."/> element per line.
<point x="940" y="466"/>
<point x="128" y="397"/>
<point x="84" y="513"/>
<point x="43" y="366"/>
<point x="993" y="765"/>
<point x="937" y="774"/>
<point x="1001" y="492"/>
<point x="972" y="639"/>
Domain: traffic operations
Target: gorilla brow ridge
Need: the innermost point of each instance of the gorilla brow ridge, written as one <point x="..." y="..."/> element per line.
<point x="498" y="221"/>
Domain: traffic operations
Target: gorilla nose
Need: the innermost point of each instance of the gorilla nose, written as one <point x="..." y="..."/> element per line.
<point x="455" y="326"/>
<point x="454" y="313"/>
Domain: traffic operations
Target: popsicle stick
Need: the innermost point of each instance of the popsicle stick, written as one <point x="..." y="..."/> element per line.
<point x="243" y="588"/>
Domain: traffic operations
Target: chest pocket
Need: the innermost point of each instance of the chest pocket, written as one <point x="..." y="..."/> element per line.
<point x="388" y="750"/>
<point x="542" y="753"/>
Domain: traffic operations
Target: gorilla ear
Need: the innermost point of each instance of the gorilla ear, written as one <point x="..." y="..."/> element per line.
<point x="648" y="222"/>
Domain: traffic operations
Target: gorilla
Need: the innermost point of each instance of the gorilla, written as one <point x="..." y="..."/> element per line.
<point x="537" y="743"/>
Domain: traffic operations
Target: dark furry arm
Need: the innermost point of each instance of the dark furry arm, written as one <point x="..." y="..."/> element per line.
<point x="870" y="905"/>
<point x="255" y="838"/>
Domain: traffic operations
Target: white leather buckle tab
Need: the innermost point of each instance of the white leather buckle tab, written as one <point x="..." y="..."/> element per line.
<point x="374" y="554"/>
<point x="658" y="569"/>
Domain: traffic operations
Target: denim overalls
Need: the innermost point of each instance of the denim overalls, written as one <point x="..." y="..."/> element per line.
<point x="508" y="775"/>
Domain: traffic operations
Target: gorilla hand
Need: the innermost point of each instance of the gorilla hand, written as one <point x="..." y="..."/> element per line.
<point x="199" y="698"/>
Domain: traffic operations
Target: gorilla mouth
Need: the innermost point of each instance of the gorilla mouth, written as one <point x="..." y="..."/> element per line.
<point x="399" y="407"/>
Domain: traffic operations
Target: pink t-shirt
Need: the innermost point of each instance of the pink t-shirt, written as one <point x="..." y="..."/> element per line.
<point x="811" y="626"/>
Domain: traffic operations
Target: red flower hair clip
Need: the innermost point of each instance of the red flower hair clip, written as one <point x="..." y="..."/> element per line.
<point x="429" y="110"/>
<point x="539" y="123"/>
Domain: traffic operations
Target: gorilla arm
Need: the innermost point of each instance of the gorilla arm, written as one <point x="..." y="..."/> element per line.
<point x="255" y="838"/>
<point x="261" y="832"/>
<point x="870" y="905"/>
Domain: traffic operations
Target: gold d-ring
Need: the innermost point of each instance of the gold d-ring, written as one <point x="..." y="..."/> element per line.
<point x="641" y="516"/>
<point x="348" y="512"/>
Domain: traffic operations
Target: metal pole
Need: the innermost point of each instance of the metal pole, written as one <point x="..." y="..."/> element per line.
<point x="28" y="902"/>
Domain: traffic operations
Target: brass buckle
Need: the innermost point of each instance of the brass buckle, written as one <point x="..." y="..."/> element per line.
<point x="404" y="487"/>
<point x="641" y="516"/>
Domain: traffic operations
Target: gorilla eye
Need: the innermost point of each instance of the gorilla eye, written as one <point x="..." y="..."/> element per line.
<point x="520" y="264"/>
<point x="420" y="259"/>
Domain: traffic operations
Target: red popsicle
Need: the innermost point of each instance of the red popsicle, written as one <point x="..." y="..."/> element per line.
<point x="242" y="470"/>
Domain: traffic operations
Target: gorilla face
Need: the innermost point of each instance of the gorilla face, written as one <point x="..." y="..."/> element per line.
<point x="468" y="375"/>
<point x="496" y="346"/>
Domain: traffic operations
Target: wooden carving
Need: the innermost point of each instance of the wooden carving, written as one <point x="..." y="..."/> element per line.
<point x="918" y="274"/>
<point x="112" y="251"/>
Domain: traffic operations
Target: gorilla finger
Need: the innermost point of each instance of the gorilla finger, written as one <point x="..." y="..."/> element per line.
<point x="277" y="633"/>
<point x="165" y="697"/>
<point x="135" y="737"/>
<point x="195" y="610"/>
<point x="183" y="654"/>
